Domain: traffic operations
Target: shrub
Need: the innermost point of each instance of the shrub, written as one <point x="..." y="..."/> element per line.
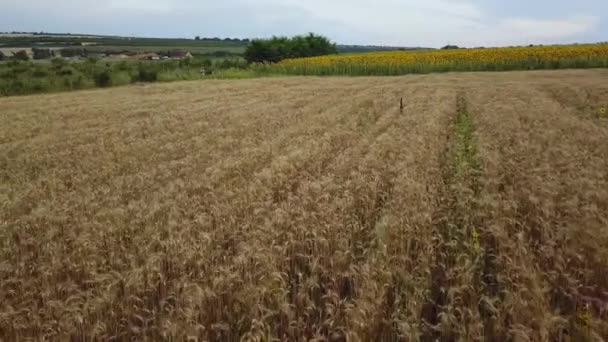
<point x="178" y="74"/>
<point x="40" y="85"/>
<point x="147" y="73"/>
<point x="40" y="72"/>
<point x="202" y="62"/>
<point x="123" y="66"/>
<point x="6" y="74"/>
<point x="230" y="63"/>
<point x="120" y="78"/>
<point x="2" y="57"/>
<point x="67" y="71"/>
<point x="19" y="67"/>
<point x="103" y="78"/>
<point x="186" y="62"/>
<point x="58" y="63"/>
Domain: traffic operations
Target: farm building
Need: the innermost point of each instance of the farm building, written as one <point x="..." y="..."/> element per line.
<point x="179" y="54"/>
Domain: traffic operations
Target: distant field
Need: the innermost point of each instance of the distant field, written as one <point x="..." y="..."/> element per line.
<point x="207" y="49"/>
<point x="308" y="208"/>
<point x="122" y="44"/>
<point x="9" y="51"/>
<point x="204" y="50"/>
<point x="15" y="35"/>
<point x="118" y="44"/>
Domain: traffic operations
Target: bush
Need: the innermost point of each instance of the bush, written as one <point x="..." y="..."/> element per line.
<point x="76" y="80"/>
<point x="120" y="78"/>
<point x="147" y="73"/>
<point x="19" y="67"/>
<point x="230" y="64"/>
<point x="103" y="78"/>
<point x="6" y="74"/>
<point x="202" y="62"/>
<point x="2" y="57"/>
<point x="40" y="72"/>
<point x="40" y="85"/>
<point x="123" y="66"/>
<point x="58" y="63"/>
<point x="279" y="48"/>
<point x="178" y="75"/>
<point x="184" y="63"/>
<point x="67" y="71"/>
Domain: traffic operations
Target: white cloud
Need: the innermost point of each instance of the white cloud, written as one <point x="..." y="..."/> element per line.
<point x="518" y="31"/>
<point x="141" y="5"/>
<point x="557" y="28"/>
<point x="388" y="22"/>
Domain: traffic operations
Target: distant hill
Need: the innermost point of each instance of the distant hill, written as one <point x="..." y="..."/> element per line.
<point x="117" y="44"/>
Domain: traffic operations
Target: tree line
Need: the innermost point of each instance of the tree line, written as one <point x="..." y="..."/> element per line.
<point x="279" y="48"/>
<point x="217" y="39"/>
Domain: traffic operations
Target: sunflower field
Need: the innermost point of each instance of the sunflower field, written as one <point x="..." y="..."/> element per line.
<point x="425" y="61"/>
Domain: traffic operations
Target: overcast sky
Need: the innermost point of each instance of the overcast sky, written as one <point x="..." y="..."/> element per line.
<point x="431" y="23"/>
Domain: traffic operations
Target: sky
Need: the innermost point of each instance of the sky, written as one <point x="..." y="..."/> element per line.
<point x="426" y="23"/>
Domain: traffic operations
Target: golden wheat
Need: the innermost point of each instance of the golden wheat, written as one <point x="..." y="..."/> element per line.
<point x="308" y="208"/>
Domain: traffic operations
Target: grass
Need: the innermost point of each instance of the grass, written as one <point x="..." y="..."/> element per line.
<point x="20" y="78"/>
<point x="239" y="73"/>
<point x="29" y="78"/>
<point x="302" y="208"/>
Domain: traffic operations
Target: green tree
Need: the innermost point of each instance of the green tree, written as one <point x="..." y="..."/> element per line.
<point x="278" y="48"/>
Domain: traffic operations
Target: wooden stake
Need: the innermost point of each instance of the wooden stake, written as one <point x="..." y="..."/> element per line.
<point x="401" y="106"/>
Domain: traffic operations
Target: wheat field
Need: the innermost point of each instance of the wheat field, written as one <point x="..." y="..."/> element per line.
<point x="308" y="209"/>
